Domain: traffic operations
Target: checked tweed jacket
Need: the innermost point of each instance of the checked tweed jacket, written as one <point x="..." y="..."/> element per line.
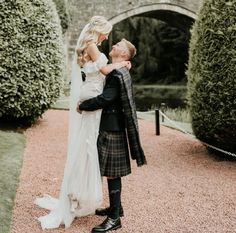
<point x="129" y="108"/>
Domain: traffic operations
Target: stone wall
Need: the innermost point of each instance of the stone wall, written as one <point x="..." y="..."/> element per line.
<point x="82" y="10"/>
<point x="117" y="10"/>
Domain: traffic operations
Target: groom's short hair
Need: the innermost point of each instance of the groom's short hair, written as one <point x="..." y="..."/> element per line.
<point x="130" y="47"/>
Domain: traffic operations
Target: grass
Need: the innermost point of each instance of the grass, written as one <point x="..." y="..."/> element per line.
<point x="180" y="118"/>
<point x="156" y="86"/>
<point x="178" y="114"/>
<point x="11" y="155"/>
<point x="62" y="103"/>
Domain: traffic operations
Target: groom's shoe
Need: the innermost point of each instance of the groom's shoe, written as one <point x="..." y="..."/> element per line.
<point x="109" y="224"/>
<point x="106" y="211"/>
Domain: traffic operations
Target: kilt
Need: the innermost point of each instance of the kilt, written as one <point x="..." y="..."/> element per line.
<point x="113" y="154"/>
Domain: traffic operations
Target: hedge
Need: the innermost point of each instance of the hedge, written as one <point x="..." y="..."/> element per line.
<point x="31" y="58"/>
<point x="211" y="74"/>
<point x="61" y="6"/>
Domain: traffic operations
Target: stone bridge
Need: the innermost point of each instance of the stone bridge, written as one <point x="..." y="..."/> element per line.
<point x="179" y="13"/>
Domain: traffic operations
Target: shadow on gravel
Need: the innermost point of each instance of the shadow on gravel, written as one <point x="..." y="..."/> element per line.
<point x="11" y="125"/>
<point x="219" y="156"/>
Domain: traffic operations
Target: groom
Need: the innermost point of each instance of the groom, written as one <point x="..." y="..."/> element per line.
<point x="118" y="134"/>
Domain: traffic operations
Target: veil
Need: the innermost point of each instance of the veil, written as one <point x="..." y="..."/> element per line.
<point x="74" y="116"/>
<point x="75" y="90"/>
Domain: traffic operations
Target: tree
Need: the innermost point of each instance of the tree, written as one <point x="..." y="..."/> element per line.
<point x="211" y="74"/>
<point x="161" y="50"/>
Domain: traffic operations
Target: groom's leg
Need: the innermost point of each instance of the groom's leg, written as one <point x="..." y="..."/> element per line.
<point x="111" y="184"/>
<point x="106" y="211"/>
<point x="114" y="187"/>
<point x="114" y="163"/>
<point x="112" y="222"/>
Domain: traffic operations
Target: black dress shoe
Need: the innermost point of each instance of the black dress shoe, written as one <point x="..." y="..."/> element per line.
<point x="106" y="211"/>
<point x="108" y="224"/>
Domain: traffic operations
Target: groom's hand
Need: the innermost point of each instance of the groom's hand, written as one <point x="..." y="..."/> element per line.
<point x="78" y="109"/>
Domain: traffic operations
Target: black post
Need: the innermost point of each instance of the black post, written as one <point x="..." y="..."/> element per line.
<point x="157" y="122"/>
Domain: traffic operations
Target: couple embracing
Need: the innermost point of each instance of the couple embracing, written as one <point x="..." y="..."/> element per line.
<point x="103" y="132"/>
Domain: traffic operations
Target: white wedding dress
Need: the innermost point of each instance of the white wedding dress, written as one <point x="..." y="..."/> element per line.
<point x="81" y="189"/>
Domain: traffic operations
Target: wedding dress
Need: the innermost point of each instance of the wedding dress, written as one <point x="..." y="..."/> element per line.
<point x="81" y="189"/>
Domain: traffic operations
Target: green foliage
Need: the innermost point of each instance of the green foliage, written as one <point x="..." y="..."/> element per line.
<point x="211" y="74"/>
<point x="162" y="50"/>
<point x="161" y="91"/>
<point x="148" y="95"/>
<point x="31" y="58"/>
<point x="178" y="114"/>
<point x="11" y="155"/>
<point x="62" y="10"/>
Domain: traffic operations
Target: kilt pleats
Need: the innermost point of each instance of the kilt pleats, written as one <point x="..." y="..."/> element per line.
<point x="113" y="154"/>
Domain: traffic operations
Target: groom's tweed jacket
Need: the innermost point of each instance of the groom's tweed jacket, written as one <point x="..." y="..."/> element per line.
<point x="129" y="108"/>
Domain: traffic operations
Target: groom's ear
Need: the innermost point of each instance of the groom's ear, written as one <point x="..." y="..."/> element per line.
<point x="125" y="55"/>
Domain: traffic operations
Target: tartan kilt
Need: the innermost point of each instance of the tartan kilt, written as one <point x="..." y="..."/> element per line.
<point x="113" y="154"/>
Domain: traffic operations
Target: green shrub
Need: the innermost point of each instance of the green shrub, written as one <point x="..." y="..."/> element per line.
<point x="147" y="96"/>
<point x="211" y="74"/>
<point x="31" y="58"/>
<point x="62" y="10"/>
<point x="161" y="91"/>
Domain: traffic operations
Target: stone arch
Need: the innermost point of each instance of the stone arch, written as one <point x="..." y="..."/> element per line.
<point x="117" y="10"/>
<point x="183" y="18"/>
<point x="153" y="7"/>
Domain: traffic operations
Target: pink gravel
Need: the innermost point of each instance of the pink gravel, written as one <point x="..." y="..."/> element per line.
<point x="182" y="189"/>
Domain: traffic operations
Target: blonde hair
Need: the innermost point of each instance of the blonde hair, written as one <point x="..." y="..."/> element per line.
<point x="97" y="25"/>
<point x="130" y="47"/>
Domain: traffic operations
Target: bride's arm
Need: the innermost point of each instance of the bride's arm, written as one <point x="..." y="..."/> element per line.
<point x="108" y="68"/>
<point x="94" y="54"/>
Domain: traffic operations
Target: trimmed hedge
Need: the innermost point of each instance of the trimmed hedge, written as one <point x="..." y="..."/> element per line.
<point x="211" y="74"/>
<point x="61" y="6"/>
<point x="149" y="96"/>
<point x="31" y="61"/>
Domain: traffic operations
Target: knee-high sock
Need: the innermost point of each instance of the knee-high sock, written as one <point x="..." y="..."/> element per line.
<point x="114" y="187"/>
<point x="113" y="184"/>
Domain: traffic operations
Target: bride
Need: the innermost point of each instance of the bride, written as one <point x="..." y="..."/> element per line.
<point x="81" y="188"/>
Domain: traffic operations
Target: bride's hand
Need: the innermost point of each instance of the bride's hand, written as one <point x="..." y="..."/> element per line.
<point x="126" y="64"/>
<point x="78" y="109"/>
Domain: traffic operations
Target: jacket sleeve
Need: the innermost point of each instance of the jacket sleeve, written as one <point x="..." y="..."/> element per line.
<point x="110" y="94"/>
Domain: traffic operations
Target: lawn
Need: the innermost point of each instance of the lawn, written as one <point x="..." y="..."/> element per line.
<point x="11" y="155"/>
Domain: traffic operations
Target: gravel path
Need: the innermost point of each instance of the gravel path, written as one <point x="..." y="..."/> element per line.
<point x="182" y="189"/>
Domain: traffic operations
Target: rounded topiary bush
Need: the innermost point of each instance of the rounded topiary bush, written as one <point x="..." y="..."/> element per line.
<point x="61" y="6"/>
<point x="31" y="61"/>
<point x="212" y="74"/>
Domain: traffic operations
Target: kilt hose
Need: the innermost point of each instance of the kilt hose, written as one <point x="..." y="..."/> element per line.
<point x="113" y="154"/>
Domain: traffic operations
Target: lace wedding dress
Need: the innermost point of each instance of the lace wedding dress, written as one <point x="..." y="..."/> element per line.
<point x="81" y="189"/>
